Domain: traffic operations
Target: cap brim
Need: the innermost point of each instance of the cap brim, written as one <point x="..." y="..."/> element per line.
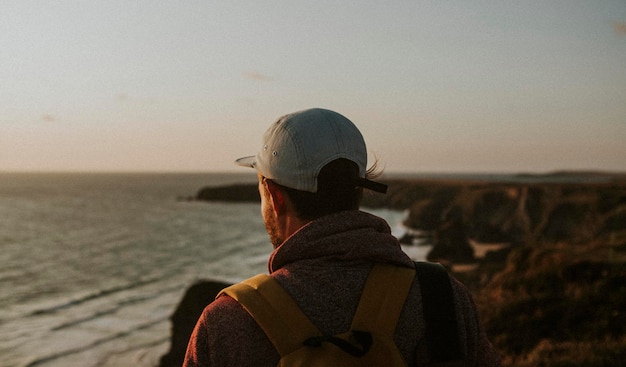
<point x="246" y="161"/>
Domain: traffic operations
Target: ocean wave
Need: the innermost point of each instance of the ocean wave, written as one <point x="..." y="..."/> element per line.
<point x="132" y="301"/>
<point x="95" y="344"/>
<point x="93" y="296"/>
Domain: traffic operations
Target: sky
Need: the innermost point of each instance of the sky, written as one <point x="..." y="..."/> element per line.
<point x="455" y="86"/>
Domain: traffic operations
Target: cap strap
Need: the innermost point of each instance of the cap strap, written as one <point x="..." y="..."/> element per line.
<point x="371" y="185"/>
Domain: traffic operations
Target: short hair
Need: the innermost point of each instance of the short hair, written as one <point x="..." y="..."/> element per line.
<point x="336" y="191"/>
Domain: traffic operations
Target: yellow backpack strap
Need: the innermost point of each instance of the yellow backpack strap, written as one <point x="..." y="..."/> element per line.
<point x="274" y="311"/>
<point x="382" y="300"/>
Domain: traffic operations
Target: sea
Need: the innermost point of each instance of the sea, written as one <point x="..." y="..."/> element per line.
<point x="92" y="265"/>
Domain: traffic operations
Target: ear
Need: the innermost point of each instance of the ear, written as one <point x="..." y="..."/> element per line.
<point x="277" y="197"/>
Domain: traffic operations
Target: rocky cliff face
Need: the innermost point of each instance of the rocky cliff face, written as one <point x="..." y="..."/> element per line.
<point x="185" y="316"/>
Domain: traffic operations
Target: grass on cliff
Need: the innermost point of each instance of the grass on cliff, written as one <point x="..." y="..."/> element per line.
<point x="558" y="304"/>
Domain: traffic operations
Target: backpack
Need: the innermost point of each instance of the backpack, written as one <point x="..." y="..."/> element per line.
<point x="369" y="342"/>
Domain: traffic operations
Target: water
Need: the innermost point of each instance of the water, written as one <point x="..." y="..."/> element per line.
<point x="93" y="265"/>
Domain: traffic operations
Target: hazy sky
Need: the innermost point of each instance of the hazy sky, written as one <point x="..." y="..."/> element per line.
<point x="435" y="86"/>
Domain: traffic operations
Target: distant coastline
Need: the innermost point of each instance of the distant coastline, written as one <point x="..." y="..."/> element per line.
<point x="241" y="189"/>
<point x="522" y="177"/>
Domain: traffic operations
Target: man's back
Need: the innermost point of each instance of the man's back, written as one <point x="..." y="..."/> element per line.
<point x="368" y="341"/>
<point x="324" y="267"/>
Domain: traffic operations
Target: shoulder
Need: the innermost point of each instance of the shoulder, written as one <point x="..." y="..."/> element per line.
<point x="478" y="348"/>
<point x="225" y="315"/>
<point x="464" y="303"/>
<point x="233" y="337"/>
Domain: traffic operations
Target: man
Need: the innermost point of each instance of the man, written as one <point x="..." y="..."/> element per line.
<point x="312" y="170"/>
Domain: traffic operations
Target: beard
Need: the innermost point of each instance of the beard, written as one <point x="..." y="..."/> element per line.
<point x="271" y="226"/>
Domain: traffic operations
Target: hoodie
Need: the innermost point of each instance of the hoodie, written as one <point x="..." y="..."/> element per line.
<point x="323" y="266"/>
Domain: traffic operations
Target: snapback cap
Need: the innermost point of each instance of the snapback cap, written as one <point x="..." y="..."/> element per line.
<point x="298" y="145"/>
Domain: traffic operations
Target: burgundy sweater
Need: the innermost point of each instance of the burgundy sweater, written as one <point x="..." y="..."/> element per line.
<point x="324" y="267"/>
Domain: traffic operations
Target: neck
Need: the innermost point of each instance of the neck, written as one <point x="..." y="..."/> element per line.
<point x="291" y="224"/>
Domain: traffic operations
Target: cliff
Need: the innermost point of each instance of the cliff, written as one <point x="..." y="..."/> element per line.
<point x="545" y="257"/>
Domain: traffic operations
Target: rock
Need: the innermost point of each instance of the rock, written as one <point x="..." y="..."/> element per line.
<point x="492" y="214"/>
<point x="450" y="242"/>
<point x="426" y="214"/>
<point x="573" y="221"/>
<point x="615" y="221"/>
<point x="184" y="318"/>
<point x="558" y="293"/>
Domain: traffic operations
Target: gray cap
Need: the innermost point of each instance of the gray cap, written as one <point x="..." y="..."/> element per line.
<point x="298" y="145"/>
